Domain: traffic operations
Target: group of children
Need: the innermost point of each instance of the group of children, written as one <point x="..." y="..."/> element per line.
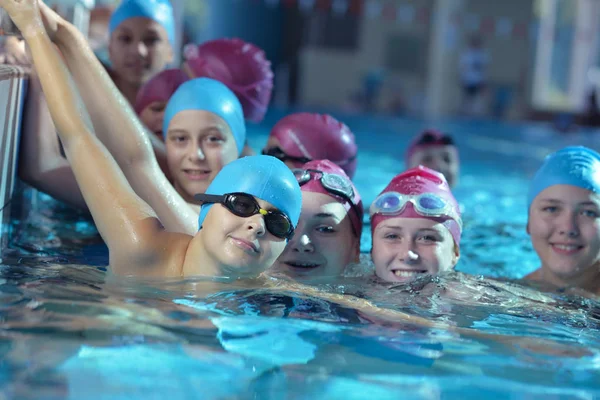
<point x="159" y="157"/>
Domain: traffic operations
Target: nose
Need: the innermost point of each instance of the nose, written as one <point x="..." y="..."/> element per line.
<point x="407" y="253"/>
<point x="568" y="225"/>
<point x="142" y="49"/>
<point x="195" y="153"/>
<point x="302" y="244"/>
<point x="256" y="223"/>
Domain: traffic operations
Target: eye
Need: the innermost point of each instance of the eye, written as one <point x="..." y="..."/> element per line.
<point x="151" y="41"/>
<point x="213" y="139"/>
<point x="391" y="236"/>
<point x="550" y="209"/>
<point x="428" y="239"/>
<point x="158" y="107"/>
<point x="178" y="139"/>
<point x="590" y="213"/>
<point x="447" y="159"/>
<point x="125" y="39"/>
<point x="325" y="229"/>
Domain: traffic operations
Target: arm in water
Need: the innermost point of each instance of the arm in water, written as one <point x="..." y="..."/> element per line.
<point x="118" y="127"/>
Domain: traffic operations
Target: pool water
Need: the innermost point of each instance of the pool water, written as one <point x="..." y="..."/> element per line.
<point x="70" y="330"/>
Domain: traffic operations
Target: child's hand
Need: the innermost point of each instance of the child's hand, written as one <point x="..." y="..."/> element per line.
<point x="25" y="14"/>
<point x="50" y="18"/>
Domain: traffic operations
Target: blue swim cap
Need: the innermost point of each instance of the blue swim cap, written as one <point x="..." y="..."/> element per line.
<point x="160" y="11"/>
<point x="573" y="165"/>
<point x="207" y="94"/>
<point x="264" y="177"/>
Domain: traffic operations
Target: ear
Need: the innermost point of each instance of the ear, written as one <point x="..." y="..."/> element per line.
<point x="527" y="227"/>
<point x="456" y="256"/>
<point x="171" y="54"/>
<point x="356" y="250"/>
<point x="185" y="67"/>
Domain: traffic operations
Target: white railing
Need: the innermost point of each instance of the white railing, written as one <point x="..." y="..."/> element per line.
<point x="13" y="88"/>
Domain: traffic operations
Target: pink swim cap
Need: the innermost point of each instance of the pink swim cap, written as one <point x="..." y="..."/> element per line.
<point x="160" y="88"/>
<point x="333" y="182"/>
<point x="418" y="181"/>
<point x="427" y="138"/>
<point x="317" y="137"/>
<point x="241" y="66"/>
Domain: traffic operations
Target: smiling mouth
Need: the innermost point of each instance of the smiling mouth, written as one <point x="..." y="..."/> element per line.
<point x="566" y="248"/>
<point x="245" y="245"/>
<point x="404" y="273"/>
<point x="302" y="265"/>
<point x="197" y="173"/>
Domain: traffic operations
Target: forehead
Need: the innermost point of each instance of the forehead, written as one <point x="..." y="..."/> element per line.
<point x="141" y="25"/>
<point x="273" y="142"/>
<point x="435" y="150"/>
<point x="197" y="120"/>
<point x="567" y="194"/>
<point x="320" y="203"/>
<point x="410" y="224"/>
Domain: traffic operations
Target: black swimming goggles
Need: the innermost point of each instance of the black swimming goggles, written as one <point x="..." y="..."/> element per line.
<point x="245" y="205"/>
<point x="429" y="138"/>
<point x="280" y="154"/>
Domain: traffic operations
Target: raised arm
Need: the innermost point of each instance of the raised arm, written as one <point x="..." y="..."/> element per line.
<point x="119" y="128"/>
<point x="127" y="224"/>
<point x="40" y="162"/>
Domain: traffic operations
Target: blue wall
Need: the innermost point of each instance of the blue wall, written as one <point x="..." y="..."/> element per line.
<point x="251" y="21"/>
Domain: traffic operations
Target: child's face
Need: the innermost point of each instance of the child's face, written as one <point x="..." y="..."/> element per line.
<point x="443" y="158"/>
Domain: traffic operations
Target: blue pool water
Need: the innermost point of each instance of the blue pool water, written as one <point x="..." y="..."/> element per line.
<point x="70" y="330"/>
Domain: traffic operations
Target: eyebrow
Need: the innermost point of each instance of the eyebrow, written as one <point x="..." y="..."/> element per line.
<point x="584" y="203"/>
<point x="177" y="130"/>
<point x="204" y="130"/>
<point x="153" y="31"/>
<point x="429" y="230"/>
<point x="399" y="228"/>
<point x="324" y="215"/>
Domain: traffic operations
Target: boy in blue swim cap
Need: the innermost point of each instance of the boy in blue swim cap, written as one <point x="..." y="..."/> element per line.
<point x="564" y="219"/>
<point x="249" y="212"/>
<point x="142" y="36"/>
<point x="204" y="130"/>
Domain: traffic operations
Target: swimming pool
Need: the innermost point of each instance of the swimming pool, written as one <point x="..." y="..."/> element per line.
<point x="69" y="330"/>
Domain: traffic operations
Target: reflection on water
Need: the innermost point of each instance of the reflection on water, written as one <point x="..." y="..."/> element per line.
<point x="70" y="330"/>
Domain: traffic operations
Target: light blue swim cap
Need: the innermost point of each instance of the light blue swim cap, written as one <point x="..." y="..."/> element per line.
<point x="263" y="177"/>
<point x="160" y="11"/>
<point x="574" y="165"/>
<point x="207" y="94"/>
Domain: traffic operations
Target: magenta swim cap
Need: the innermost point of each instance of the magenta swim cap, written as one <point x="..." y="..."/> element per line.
<point x="323" y="176"/>
<point x="241" y="66"/>
<point x="317" y="137"/>
<point x="427" y="138"/>
<point x="419" y="181"/>
<point x="160" y="88"/>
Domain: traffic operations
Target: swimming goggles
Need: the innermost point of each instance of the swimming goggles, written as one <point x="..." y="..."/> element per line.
<point x="280" y="154"/>
<point x="425" y="204"/>
<point x="429" y="138"/>
<point x="333" y="183"/>
<point x="244" y="205"/>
